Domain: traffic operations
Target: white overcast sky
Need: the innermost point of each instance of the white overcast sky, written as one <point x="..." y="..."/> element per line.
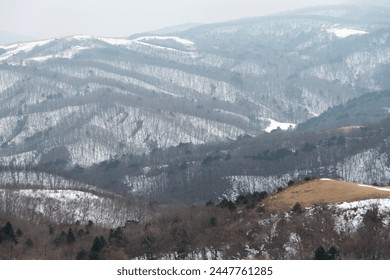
<point x="119" y="18"/>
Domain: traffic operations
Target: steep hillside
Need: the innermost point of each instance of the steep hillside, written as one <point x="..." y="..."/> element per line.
<point x="196" y="174"/>
<point x="193" y="115"/>
<point x="369" y="108"/>
<point x="192" y="174"/>
<point x="94" y="98"/>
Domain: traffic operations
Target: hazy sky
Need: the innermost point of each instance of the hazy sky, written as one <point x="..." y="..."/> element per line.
<point x="118" y="18"/>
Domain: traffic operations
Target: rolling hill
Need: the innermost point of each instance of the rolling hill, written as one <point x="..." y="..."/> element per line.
<point x="324" y="191"/>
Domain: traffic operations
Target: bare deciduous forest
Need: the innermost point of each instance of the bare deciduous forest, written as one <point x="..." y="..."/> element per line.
<point x="244" y="229"/>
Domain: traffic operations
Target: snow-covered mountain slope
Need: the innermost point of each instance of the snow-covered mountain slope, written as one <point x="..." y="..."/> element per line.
<point x="38" y="196"/>
<point x="84" y="103"/>
<point x="99" y="98"/>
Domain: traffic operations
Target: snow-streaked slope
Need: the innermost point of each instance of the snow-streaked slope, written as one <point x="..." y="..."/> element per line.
<point x="354" y="168"/>
<point x="23" y="49"/>
<point x="97" y="99"/>
<point x="251" y="184"/>
<point x="8" y="79"/>
<point x="39" y="195"/>
<point x="45" y="180"/>
<point x="69" y="206"/>
<point x="151" y="186"/>
<point x="179" y="40"/>
<point x="14" y="49"/>
<point x="350" y="214"/>
<point x="150" y="39"/>
<point x="70" y="53"/>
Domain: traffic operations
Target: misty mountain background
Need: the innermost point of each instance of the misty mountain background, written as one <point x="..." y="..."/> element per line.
<point x="185" y="116"/>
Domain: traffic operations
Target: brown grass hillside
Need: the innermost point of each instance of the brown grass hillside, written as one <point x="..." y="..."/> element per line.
<point x="323" y="191"/>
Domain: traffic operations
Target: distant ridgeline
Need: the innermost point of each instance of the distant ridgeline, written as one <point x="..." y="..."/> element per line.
<point x="199" y="114"/>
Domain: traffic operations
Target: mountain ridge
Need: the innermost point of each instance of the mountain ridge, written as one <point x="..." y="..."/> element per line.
<point x="87" y="103"/>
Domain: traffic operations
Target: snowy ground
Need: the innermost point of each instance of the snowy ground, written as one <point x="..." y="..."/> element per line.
<point x="273" y="124"/>
<point x="350" y="214"/>
<point x="345" y="32"/>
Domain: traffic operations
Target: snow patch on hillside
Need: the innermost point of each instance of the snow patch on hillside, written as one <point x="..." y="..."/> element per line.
<point x="145" y="40"/>
<point x="116" y="41"/>
<point x="273" y="124"/>
<point x="179" y="40"/>
<point x="350" y="214"/>
<point x="387" y="109"/>
<point x="376" y="188"/>
<point x="345" y="32"/>
<point x="69" y="54"/>
<point x="84" y="42"/>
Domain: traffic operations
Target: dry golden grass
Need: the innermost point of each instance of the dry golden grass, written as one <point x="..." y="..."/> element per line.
<point x="348" y="129"/>
<point x="322" y="191"/>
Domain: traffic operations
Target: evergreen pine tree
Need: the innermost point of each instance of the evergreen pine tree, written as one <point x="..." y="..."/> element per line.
<point x="116" y="237"/>
<point x="82" y="255"/>
<point x="96" y="248"/>
<point x="102" y="241"/>
<point x="60" y="239"/>
<point x="51" y="230"/>
<point x="89" y="225"/>
<point x="70" y="238"/>
<point x="29" y="243"/>
<point x="213" y="221"/>
<point x="297" y="209"/>
<point x="333" y="253"/>
<point x="320" y="254"/>
<point x="7" y="233"/>
<point x="19" y="232"/>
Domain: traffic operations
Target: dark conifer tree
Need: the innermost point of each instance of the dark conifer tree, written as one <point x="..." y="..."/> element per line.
<point x="82" y="255"/>
<point x="29" y="243"/>
<point x="70" y="238"/>
<point x="96" y="248"/>
<point x="19" y="232"/>
<point x="7" y="233"/>
<point x="333" y="253"/>
<point x="320" y="254"/>
<point x="297" y="209"/>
